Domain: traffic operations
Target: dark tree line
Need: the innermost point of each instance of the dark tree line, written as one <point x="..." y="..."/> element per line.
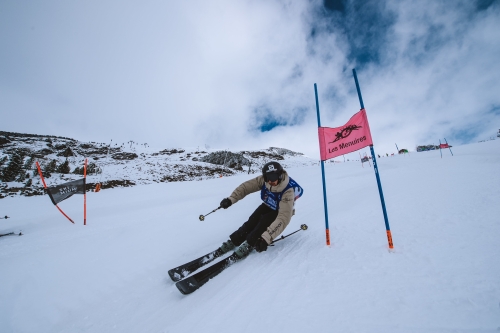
<point x="15" y="168"/>
<point x="20" y="167"/>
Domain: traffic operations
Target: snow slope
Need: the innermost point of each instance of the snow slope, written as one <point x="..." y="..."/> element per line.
<point x="111" y="275"/>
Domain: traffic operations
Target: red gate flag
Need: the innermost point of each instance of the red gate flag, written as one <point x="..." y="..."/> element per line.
<point x="345" y="139"/>
<point x="444" y="145"/>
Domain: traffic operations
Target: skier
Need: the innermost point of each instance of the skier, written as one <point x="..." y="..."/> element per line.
<point x="278" y="192"/>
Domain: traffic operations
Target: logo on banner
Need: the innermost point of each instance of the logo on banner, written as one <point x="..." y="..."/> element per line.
<point x="68" y="189"/>
<point x="343" y="134"/>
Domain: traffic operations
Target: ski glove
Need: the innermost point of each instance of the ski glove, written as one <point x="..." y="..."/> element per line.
<point x="260" y="245"/>
<point x="226" y="203"/>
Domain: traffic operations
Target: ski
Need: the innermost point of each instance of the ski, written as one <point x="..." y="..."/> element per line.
<point x="192" y="283"/>
<point x="11" y="234"/>
<point x="180" y="272"/>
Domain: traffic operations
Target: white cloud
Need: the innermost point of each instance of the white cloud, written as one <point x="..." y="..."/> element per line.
<point x="187" y="74"/>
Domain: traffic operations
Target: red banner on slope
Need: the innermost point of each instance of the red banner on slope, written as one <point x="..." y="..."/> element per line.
<point x="354" y="135"/>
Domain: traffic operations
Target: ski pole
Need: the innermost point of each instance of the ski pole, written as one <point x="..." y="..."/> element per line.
<point x="302" y="227"/>
<point x="202" y="217"/>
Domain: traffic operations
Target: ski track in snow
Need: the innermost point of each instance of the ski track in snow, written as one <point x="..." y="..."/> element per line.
<point x="111" y="275"/>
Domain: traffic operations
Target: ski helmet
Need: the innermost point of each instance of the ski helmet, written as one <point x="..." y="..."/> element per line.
<point x="272" y="171"/>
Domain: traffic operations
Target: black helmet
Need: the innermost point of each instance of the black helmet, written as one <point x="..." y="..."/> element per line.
<point x="272" y="171"/>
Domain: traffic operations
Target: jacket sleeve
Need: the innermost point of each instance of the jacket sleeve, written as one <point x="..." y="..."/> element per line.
<point x="250" y="186"/>
<point x="283" y="219"/>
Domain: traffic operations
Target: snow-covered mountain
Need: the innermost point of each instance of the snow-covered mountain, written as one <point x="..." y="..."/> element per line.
<point x="124" y="164"/>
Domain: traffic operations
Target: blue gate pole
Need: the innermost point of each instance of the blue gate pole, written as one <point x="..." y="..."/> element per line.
<point x="327" y="230"/>
<point x="448" y="146"/>
<point x="375" y="167"/>
<point x="440" y="148"/>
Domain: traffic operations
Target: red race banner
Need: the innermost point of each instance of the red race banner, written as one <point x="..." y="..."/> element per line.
<point x="354" y="135"/>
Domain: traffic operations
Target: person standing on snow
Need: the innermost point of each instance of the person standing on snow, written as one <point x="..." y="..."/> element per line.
<point x="278" y="192"/>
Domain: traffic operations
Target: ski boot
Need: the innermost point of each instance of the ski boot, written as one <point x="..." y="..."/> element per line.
<point x="243" y="250"/>
<point x="227" y="246"/>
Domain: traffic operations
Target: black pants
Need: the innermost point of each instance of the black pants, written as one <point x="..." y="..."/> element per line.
<point x="257" y="223"/>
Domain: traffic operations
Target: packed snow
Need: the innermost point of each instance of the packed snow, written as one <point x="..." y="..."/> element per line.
<point x="443" y="274"/>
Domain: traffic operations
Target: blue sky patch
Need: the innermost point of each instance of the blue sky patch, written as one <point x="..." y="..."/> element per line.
<point x="265" y="120"/>
<point x="484" y="4"/>
<point x="335" y="5"/>
<point x="366" y="25"/>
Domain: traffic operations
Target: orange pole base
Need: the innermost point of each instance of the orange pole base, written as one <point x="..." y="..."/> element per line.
<point x="389" y="238"/>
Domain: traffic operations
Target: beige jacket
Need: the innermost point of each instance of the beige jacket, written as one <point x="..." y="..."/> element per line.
<point x="286" y="209"/>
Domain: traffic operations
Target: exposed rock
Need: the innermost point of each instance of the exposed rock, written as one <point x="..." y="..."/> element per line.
<point x="264" y="154"/>
<point x="124" y="156"/>
<point x="66" y="153"/>
<point x="43" y="152"/>
<point x="60" y="147"/>
<point x="169" y="152"/>
<point x="4" y="141"/>
<point x="226" y="158"/>
<point x="111" y="184"/>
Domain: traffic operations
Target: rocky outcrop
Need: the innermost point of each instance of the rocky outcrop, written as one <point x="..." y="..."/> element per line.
<point x="226" y="158"/>
<point x="61" y="160"/>
<point x="124" y="156"/>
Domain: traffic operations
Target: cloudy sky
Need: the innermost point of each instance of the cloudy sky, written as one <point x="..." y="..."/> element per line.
<point x="241" y="74"/>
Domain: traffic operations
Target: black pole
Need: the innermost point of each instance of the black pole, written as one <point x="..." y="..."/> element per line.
<point x="202" y="217"/>
<point x="302" y="227"/>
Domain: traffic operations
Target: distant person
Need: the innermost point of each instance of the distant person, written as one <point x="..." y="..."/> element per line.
<point x="278" y="192"/>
